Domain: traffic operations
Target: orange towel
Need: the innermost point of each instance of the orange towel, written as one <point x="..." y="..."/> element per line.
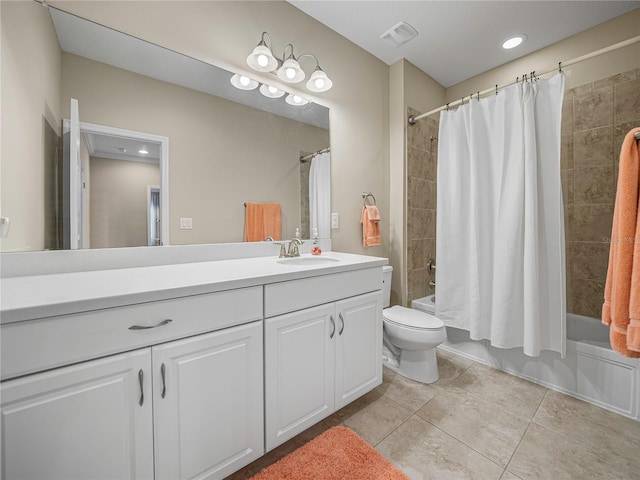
<point x="621" y="309"/>
<point x="370" y="226"/>
<point x="262" y="220"/>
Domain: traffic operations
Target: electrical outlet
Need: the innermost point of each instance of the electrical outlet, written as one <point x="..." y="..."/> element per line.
<point x="186" y="224"/>
<point x="335" y="220"/>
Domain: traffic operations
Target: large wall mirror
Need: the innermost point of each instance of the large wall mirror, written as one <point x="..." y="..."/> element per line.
<point x="211" y="146"/>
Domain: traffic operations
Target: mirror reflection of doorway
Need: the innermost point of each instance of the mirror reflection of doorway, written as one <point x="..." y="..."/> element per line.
<point x="109" y="183"/>
<point x="153" y="216"/>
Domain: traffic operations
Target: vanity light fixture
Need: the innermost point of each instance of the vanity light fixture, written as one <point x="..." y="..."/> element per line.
<point x="288" y="68"/>
<point x="514" y="41"/>
<point x="296" y="100"/>
<point x="243" y="82"/>
<point x="270" y="91"/>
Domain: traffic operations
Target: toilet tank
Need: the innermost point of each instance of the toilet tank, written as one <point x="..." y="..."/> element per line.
<point x="387" y="270"/>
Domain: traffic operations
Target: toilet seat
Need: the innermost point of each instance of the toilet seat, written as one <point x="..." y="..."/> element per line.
<point x="411" y="318"/>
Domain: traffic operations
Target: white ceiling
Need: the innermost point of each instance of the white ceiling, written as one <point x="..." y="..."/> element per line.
<point x="460" y="39"/>
<point x="121" y="148"/>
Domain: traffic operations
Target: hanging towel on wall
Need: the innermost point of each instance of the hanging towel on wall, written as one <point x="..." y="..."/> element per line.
<point x="621" y="308"/>
<point x="262" y="220"/>
<point x="370" y="226"/>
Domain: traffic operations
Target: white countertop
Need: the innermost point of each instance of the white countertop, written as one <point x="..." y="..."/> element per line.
<point x="39" y="296"/>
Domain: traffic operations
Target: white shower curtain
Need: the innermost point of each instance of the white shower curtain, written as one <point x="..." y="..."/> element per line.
<point x="320" y="195"/>
<point x="500" y="218"/>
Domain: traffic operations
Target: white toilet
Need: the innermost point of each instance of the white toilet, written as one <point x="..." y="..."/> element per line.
<point x="410" y="338"/>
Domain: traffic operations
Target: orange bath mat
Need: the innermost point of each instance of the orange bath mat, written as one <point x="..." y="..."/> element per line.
<point x="337" y="454"/>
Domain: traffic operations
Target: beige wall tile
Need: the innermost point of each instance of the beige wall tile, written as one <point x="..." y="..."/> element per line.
<point x="593" y="147"/>
<point x="588" y="296"/>
<point x="594" y="185"/>
<point x="627" y="101"/>
<point x="592" y="222"/>
<point x="593" y="109"/>
<point x="589" y="259"/>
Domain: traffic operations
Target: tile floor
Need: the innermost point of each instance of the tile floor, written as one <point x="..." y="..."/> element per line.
<point x="479" y="423"/>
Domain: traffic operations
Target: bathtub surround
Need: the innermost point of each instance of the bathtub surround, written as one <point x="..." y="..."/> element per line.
<point x="621" y="309"/>
<point x="595" y="118"/>
<point x="500" y="233"/>
<point x="422" y="154"/>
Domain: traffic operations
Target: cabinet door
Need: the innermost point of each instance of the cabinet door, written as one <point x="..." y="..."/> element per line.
<point x="358" y="347"/>
<point x="208" y="403"/>
<point x="299" y="363"/>
<point x="88" y="421"/>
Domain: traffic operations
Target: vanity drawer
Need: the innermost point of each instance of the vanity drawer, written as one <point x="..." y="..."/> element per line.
<point x="284" y="297"/>
<point x="36" y="345"/>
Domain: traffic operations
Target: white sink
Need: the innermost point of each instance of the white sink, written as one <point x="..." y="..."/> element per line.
<point x="308" y="260"/>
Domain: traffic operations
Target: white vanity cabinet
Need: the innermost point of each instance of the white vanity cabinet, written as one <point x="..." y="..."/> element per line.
<point x="319" y="359"/>
<point x="87" y="421"/>
<point x="208" y="403"/>
<point x="175" y="371"/>
<point x="185" y="408"/>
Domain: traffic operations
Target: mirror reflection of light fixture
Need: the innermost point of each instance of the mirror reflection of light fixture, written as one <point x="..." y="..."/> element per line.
<point x="243" y="82"/>
<point x="296" y="100"/>
<point x="288" y="68"/>
<point x="270" y="91"/>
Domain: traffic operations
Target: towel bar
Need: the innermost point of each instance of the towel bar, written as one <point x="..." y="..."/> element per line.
<point x="366" y="195"/>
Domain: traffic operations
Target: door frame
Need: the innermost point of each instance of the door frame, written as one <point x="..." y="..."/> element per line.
<point x="86" y="127"/>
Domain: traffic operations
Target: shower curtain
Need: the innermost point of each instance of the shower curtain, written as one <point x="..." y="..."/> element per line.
<point x="500" y="223"/>
<point x="320" y="195"/>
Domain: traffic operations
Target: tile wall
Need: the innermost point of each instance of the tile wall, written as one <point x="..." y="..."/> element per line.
<point x="421" y="204"/>
<point x="595" y="118"/>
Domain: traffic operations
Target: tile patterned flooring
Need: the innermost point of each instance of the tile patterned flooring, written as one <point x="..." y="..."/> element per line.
<point x="479" y="423"/>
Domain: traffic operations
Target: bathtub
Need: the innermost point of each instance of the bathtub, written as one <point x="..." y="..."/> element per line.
<point x="591" y="370"/>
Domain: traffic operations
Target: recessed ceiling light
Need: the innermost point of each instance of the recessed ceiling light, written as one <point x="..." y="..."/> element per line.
<point x="143" y="151"/>
<point x="514" y="41"/>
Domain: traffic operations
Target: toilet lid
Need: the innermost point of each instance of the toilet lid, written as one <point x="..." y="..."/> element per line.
<point x="410" y="317"/>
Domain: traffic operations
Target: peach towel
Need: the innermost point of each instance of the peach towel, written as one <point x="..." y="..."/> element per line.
<point x="370" y="226"/>
<point x="262" y="220"/>
<point x="621" y="309"/>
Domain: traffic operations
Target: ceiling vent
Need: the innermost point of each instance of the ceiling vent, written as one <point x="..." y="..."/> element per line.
<point x="399" y="34"/>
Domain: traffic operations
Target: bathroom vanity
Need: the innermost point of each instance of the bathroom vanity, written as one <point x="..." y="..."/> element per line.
<point x="188" y="370"/>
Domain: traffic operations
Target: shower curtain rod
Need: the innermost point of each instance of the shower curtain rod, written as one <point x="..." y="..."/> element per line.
<point x="311" y="155"/>
<point x="414" y="118"/>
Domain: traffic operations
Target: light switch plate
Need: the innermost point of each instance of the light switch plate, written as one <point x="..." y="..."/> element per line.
<point x="335" y="220"/>
<point x="186" y="224"/>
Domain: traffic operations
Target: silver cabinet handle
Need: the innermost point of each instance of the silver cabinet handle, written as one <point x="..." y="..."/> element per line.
<point x="342" y="327"/>
<point x="141" y="381"/>
<point x="164" y="383"/>
<point x="146" y="327"/>
<point x="333" y="324"/>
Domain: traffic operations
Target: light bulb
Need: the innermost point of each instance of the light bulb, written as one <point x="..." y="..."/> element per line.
<point x="319" y="82"/>
<point x="263" y="61"/>
<point x="244" y="80"/>
<point x="272" y="90"/>
<point x="297" y="99"/>
<point x="290" y="73"/>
